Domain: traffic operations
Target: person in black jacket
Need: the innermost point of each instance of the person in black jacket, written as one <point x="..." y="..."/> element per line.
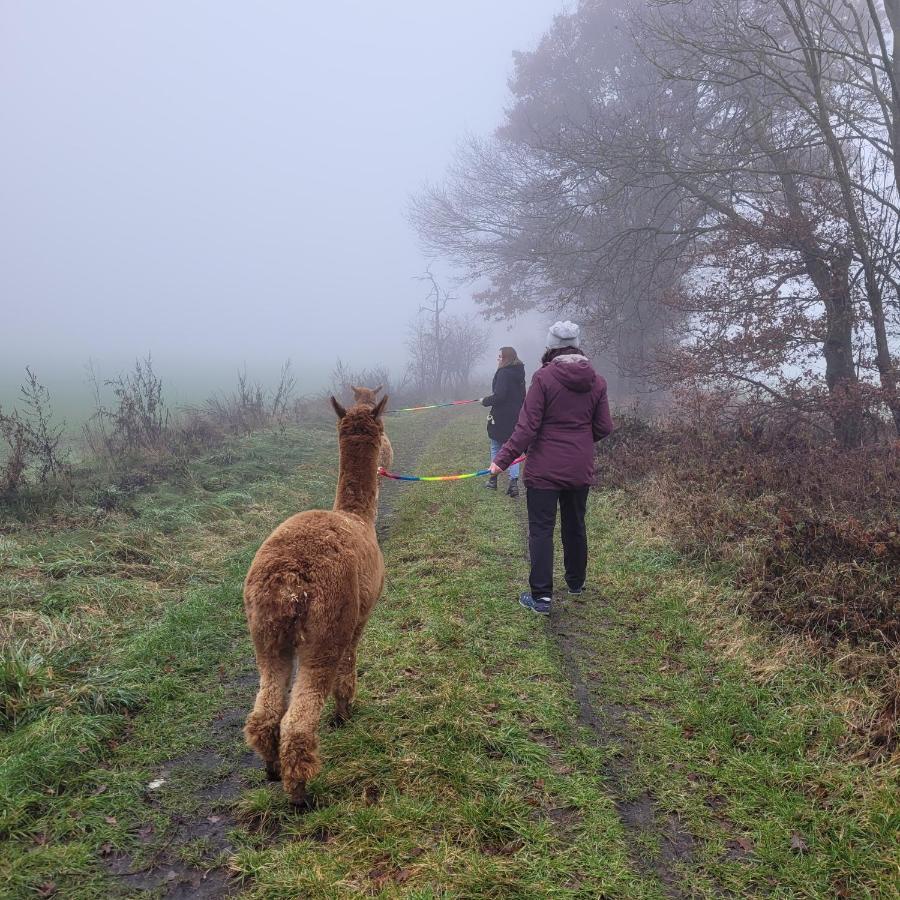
<point x="505" y="401"/>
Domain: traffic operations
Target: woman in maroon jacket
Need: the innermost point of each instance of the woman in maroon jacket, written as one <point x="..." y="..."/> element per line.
<point x="565" y="412"/>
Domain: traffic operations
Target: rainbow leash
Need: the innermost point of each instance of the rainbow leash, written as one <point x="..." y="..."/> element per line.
<point x="435" y="406"/>
<point x="385" y="474"/>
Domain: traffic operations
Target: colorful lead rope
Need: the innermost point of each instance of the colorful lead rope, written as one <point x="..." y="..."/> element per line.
<point x="435" y="406"/>
<point x="385" y="474"/>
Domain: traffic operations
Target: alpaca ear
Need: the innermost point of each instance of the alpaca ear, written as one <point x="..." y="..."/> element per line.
<point x="378" y="389"/>
<point x="378" y="411"/>
<point x="339" y="410"/>
<point x="355" y="390"/>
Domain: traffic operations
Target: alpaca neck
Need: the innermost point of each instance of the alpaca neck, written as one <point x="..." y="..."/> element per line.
<point x="357" y="489"/>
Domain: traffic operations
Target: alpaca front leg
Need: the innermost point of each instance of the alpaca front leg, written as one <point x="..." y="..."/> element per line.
<point x="262" y="728"/>
<point x="299" y="751"/>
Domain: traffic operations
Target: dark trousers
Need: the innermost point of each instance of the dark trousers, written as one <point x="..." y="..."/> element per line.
<point x="541" y="525"/>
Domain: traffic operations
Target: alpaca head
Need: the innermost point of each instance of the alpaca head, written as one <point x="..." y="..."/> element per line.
<point x="364" y="395"/>
<point x="361" y="420"/>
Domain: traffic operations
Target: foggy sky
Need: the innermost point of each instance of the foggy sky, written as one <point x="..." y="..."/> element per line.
<point x="226" y="181"/>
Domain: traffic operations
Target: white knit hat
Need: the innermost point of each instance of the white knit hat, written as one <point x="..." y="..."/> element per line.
<point x="563" y="334"/>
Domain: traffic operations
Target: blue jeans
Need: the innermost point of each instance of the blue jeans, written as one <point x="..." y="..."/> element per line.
<point x="495" y="449"/>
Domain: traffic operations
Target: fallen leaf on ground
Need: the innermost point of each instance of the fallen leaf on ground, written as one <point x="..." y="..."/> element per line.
<point x="798" y="843"/>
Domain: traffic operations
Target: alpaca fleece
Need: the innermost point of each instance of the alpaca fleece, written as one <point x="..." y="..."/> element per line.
<point x="307" y="596"/>
<point x="369" y="397"/>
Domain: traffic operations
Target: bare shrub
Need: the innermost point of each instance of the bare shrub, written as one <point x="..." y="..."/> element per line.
<point x="808" y="529"/>
<point x="33" y="453"/>
<point x="14" y="432"/>
<point x="343" y="377"/>
<point x="195" y="433"/>
<point x="283" y="395"/>
<point x="137" y="423"/>
<point x="251" y="407"/>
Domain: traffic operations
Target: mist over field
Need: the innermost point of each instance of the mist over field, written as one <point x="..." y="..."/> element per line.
<point x="282" y="607"/>
<point x="220" y="184"/>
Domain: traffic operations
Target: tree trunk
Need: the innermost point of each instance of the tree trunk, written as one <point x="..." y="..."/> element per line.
<point x="840" y="373"/>
<point x="823" y="113"/>
<point x="892" y="8"/>
<point x="831" y="278"/>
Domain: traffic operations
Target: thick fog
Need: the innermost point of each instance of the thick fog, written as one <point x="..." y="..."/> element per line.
<point x="220" y="182"/>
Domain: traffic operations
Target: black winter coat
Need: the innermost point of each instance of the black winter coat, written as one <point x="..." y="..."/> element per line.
<point x="507" y="396"/>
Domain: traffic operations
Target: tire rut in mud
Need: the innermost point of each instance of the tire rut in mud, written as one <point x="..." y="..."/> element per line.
<point x="223" y="768"/>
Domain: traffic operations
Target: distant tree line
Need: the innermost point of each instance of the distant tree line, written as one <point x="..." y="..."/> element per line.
<point x="712" y="187"/>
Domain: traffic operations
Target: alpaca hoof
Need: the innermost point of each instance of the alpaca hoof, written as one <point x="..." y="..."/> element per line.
<point x="340" y="717"/>
<point x="273" y="771"/>
<point x="299" y="799"/>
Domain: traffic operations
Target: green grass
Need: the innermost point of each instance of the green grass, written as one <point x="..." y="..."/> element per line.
<point x="462" y="753"/>
<point x="463" y="772"/>
<point x="115" y="628"/>
<point x="745" y="734"/>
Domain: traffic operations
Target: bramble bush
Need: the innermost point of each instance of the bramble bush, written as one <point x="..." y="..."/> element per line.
<point x="808" y="530"/>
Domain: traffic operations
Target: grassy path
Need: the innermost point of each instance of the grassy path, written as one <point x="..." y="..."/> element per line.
<point x="134" y="634"/>
<point x="741" y="737"/>
<point x="695" y="756"/>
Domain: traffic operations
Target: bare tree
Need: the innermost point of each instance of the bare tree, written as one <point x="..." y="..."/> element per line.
<point x="775" y="75"/>
<point x="706" y="186"/>
<point x="435" y="304"/>
<point x="539" y="212"/>
<point x="443" y="349"/>
<point x="465" y="344"/>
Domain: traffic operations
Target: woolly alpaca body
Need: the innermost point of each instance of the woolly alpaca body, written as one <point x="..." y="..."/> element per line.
<point x="369" y="397"/>
<point x="308" y="595"/>
<point x="386" y="454"/>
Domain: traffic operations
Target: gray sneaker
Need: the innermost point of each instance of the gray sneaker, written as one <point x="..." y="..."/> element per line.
<point x="539" y="605"/>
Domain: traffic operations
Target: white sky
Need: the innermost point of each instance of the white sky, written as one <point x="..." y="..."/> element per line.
<point x="218" y="181"/>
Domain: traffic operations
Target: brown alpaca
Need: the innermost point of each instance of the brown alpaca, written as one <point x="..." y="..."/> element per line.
<point x="307" y="596"/>
<point x="369" y="397"/>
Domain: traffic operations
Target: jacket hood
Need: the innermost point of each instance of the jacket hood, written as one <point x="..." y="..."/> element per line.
<point x="517" y="364"/>
<point x="573" y="371"/>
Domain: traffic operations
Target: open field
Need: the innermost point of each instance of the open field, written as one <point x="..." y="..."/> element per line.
<point x="648" y="741"/>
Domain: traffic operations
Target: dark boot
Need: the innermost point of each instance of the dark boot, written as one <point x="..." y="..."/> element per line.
<point x="513" y="489"/>
<point x="491" y="483"/>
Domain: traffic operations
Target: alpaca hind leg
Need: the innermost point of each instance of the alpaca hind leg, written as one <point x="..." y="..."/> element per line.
<point x="262" y="728"/>
<point x="299" y="751"/>
<point x="345" y="687"/>
<point x="345" y="683"/>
